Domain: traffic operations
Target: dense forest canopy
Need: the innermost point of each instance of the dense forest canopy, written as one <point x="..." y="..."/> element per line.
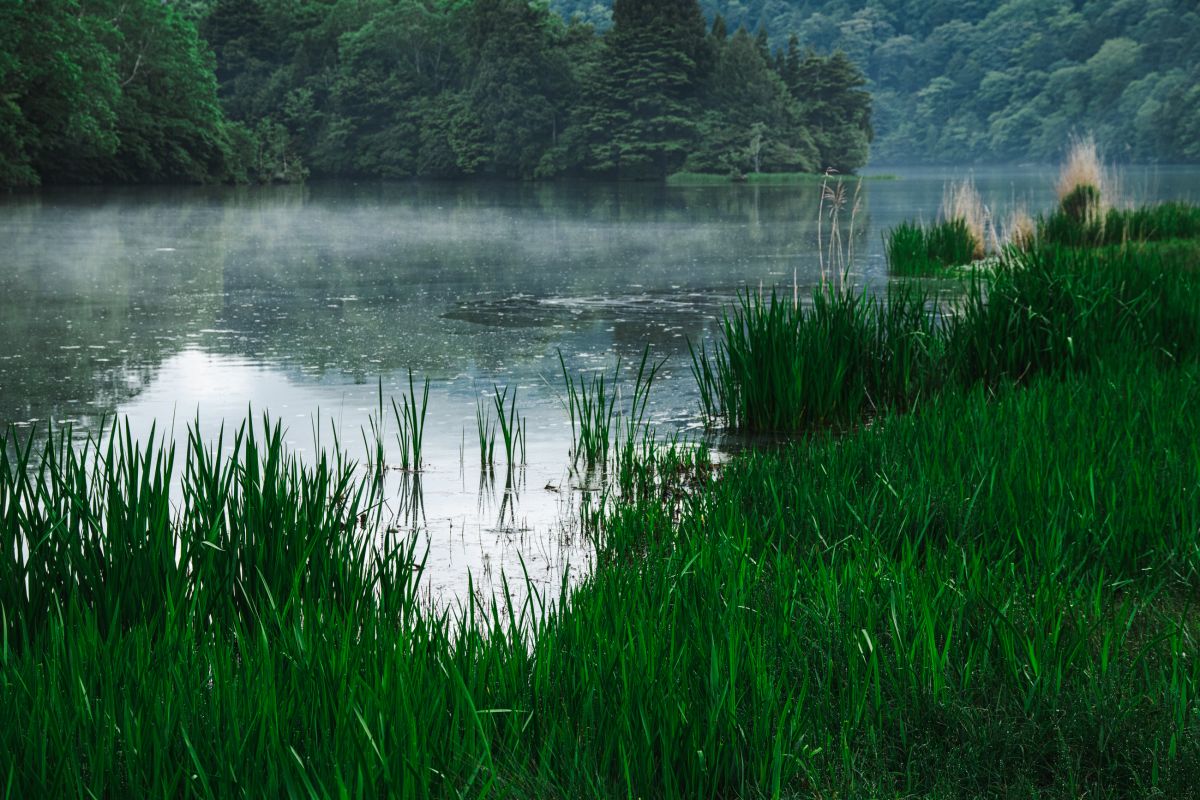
<point x="268" y="90"/>
<point x="1001" y="80"/>
<point x="129" y="90"/>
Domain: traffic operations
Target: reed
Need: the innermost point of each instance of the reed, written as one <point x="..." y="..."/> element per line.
<point x="783" y="366"/>
<point x="511" y="426"/>
<point x="986" y="593"/>
<point x="485" y="429"/>
<point x="914" y="249"/>
<point x="1084" y="184"/>
<point x="1020" y="231"/>
<point x="1161" y="222"/>
<point x="846" y="355"/>
<point x="906" y="610"/>
<point x="962" y="204"/>
<point x="409" y="416"/>
<point x="591" y="405"/>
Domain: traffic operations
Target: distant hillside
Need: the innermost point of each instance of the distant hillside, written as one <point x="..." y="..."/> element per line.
<point x="1001" y="80"/>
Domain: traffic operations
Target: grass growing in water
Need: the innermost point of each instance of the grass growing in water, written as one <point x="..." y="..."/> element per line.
<point x="410" y="424"/>
<point x="959" y="237"/>
<point x="1161" y="222"/>
<point x="512" y="426"/>
<point x="913" y="248"/>
<point x="782" y="366"/>
<point x="485" y="428"/>
<point x="987" y="596"/>
<point x="602" y="427"/>
<point x="990" y="596"/>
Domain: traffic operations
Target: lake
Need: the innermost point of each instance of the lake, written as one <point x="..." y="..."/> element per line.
<point x="164" y="304"/>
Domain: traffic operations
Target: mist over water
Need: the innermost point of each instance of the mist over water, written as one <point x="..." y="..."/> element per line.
<point x="167" y="305"/>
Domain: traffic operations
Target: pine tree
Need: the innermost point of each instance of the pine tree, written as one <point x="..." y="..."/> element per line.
<point x="639" y="119"/>
<point x="836" y="109"/>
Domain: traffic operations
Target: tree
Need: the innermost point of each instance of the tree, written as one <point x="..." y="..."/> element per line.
<point x="836" y="109"/>
<point x="637" y="119"/>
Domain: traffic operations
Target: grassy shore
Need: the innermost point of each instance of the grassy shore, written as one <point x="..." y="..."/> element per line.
<point x="973" y="574"/>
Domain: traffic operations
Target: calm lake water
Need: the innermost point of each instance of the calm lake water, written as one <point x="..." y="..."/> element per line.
<point x="165" y="304"/>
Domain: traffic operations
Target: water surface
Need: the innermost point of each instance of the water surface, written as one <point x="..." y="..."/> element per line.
<point x="172" y="304"/>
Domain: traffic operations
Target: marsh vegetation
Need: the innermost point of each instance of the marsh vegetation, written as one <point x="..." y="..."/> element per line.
<point x="969" y="571"/>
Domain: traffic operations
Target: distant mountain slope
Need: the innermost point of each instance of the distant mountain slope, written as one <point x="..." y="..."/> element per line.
<point x="1002" y="80"/>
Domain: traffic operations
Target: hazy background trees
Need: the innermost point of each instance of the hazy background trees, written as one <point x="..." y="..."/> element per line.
<point x="274" y="90"/>
<point x="1002" y="80"/>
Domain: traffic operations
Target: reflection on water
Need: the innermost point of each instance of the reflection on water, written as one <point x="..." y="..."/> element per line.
<point x="168" y="304"/>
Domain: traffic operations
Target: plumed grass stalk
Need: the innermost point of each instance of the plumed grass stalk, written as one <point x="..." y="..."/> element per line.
<point x="961" y="203"/>
<point x="1020" y="231"/>
<point x="1083" y="180"/>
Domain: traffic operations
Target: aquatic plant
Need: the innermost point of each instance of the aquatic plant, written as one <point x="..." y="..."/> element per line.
<point x="410" y="424"/>
<point x="485" y="429"/>
<point x="511" y="425"/>
<point x="1160" y="222"/>
<point x="591" y="405"/>
<point x="906" y="609"/>
<point x="1084" y="185"/>
<point x="786" y="366"/>
<point x="1020" y="231"/>
<point x="913" y="249"/>
<point x="782" y="366"/>
<point x="961" y="203"/>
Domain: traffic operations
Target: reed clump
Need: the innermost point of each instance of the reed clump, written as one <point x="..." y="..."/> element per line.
<point x="1086" y="189"/>
<point x="915" y="249"/>
<point x="959" y="237"/>
<point x="962" y="203"/>
<point x="1020" y="230"/>
<point x="782" y="366"/>
<point x="1154" y="223"/>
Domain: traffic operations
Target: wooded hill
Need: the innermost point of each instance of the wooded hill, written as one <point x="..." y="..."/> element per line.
<point x="144" y="90"/>
<point x="1001" y="80"/>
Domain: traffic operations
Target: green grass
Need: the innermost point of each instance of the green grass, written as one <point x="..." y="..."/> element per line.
<point x="781" y="367"/>
<point x="1162" y="222"/>
<point x="985" y="597"/>
<point x="914" y="249"/>
<point x="988" y="591"/>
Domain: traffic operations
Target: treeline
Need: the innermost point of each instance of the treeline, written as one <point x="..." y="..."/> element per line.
<point x="266" y="90"/>
<point x="114" y="90"/>
<point x="440" y="88"/>
<point x="1003" y="80"/>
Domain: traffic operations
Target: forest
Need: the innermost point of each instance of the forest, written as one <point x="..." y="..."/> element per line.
<point x="262" y="90"/>
<point x="1001" y="80"/>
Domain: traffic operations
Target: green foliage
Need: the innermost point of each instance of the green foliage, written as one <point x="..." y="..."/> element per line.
<point x="1082" y="203"/>
<point x="1161" y="222"/>
<point x="985" y="596"/>
<point x="1002" y="81"/>
<point x="913" y="248"/>
<point x="783" y="366"/>
<point x="109" y="91"/>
